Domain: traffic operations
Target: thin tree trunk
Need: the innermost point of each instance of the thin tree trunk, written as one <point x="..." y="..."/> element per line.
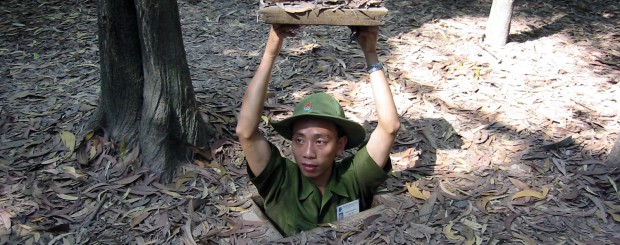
<point x="613" y="159"/>
<point x="498" y="24"/>
<point x="121" y="71"/>
<point x="147" y="97"/>
<point x="170" y="116"/>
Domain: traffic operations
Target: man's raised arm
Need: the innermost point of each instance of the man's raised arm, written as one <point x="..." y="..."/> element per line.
<point x="382" y="138"/>
<point x="255" y="146"/>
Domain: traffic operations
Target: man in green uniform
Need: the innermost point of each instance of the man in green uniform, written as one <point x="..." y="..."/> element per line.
<point x="314" y="189"/>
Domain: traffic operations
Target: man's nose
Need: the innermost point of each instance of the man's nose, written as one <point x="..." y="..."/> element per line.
<point x="309" y="151"/>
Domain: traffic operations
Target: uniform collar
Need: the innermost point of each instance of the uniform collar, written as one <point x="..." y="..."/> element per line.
<point x="306" y="186"/>
<point x="333" y="186"/>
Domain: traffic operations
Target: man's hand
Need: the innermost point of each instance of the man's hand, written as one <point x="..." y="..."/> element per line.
<point x="277" y="34"/>
<point x="284" y="31"/>
<point x="367" y="39"/>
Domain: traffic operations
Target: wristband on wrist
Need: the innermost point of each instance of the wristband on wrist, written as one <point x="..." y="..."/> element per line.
<point x="375" y="67"/>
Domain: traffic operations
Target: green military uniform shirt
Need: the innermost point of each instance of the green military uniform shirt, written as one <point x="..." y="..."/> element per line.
<point x="295" y="204"/>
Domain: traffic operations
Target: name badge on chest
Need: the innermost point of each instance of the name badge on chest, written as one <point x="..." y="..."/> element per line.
<point x="347" y="209"/>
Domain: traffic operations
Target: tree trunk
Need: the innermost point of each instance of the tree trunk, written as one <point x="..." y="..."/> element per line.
<point x="498" y="24"/>
<point x="613" y="159"/>
<point x="121" y="70"/>
<point x="147" y="97"/>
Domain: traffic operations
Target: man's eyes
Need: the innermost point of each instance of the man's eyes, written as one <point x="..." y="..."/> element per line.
<point x="318" y="142"/>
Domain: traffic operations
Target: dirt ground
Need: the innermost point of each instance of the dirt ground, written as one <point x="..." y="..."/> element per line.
<point x="498" y="145"/>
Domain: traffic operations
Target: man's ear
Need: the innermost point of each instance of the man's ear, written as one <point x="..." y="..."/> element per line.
<point x="342" y="142"/>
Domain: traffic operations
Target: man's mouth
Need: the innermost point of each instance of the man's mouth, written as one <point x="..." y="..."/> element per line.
<point x="308" y="167"/>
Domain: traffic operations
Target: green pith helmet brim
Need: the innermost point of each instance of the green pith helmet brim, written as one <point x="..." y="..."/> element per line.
<point x="323" y="106"/>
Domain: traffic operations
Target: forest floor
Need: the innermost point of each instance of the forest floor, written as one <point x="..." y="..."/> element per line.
<point x="498" y="145"/>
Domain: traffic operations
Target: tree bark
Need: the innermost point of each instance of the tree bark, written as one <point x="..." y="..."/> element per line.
<point x="613" y="159"/>
<point x="147" y="97"/>
<point x="121" y="70"/>
<point x="498" y="24"/>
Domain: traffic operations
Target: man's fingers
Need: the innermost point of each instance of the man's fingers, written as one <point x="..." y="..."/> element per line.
<point x="289" y="34"/>
<point x="285" y="30"/>
<point x="367" y="38"/>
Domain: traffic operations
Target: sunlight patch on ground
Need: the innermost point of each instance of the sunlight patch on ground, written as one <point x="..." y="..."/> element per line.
<point x="461" y="70"/>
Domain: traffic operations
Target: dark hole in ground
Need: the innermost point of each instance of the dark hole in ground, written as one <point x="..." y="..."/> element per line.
<point x="257" y="213"/>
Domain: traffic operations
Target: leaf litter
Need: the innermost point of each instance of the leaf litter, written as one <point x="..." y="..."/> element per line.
<point x="496" y="146"/>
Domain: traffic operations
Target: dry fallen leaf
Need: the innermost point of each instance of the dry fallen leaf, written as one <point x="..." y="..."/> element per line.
<point x="81" y="212"/>
<point x="5" y="217"/>
<point x="138" y="219"/>
<point x="421" y="231"/>
<point x="519" y="184"/>
<point x="299" y="7"/>
<point x="68" y="170"/>
<point x="443" y="187"/>
<point x="614" y="216"/>
<point x="67" y="197"/>
<point x="427" y="208"/>
<point x="532" y="193"/>
<point x="447" y="231"/>
<point x="68" y="139"/>
<point x="187" y="237"/>
<point x="171" y="193"/>
<point x="414" y="191"/>
<point x="13" y="144"/>
<point x="127" y="180"/>
<point x="471" y="223"/>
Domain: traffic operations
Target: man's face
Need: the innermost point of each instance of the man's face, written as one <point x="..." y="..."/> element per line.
<point x="315" y="145"/>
